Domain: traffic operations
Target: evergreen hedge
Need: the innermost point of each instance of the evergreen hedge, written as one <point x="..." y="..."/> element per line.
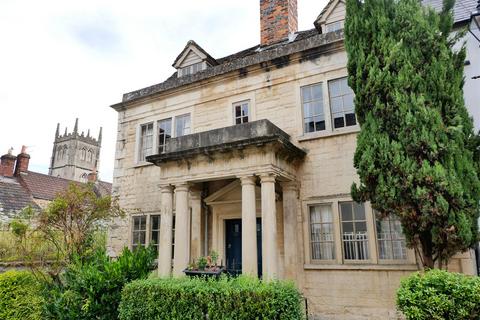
<point x="197" y="298"/>
<point x="437" y="294"/>
<point x="20" y="296"/>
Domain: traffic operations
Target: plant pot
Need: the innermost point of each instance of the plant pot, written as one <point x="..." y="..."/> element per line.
<point x="208" y="273"/>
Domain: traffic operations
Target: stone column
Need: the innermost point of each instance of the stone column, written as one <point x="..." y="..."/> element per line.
<point x="249" y="227"/>
<point x="290" y="243"/>
<point x="181" y="256"/>
<point x="165" y="239"/>
<point x="269" y="228"/>
<point x="196" y="239"/>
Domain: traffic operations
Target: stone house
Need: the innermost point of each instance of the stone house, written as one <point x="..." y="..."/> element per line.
<point x="251" y="155"/>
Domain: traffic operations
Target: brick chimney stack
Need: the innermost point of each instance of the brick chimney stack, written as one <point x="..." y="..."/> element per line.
<point x="7" y="163"/>
<point x="92" y="176"/>
<point x="278" y="19"/>
<point x="22" y="161"/>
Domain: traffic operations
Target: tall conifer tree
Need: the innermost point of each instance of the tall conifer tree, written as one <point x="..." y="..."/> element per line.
<point x="416" y="149"/>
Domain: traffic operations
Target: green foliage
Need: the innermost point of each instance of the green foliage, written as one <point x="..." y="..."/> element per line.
<point x="91" y="286"/>
<point x="20" y="297"/>
<point x="77" y="214"/>
<point x="417" y="155"/>
<point x="439" y="295"/>
<point x="194" y="298"/>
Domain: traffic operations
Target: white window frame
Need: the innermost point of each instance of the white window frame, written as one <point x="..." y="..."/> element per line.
<point x="390" y="261"/>
<point x="310" y="243"/>
<point x="332" y="114"/>
<point x="339" y="261"/>
<point x="240" y="104"/>
<point x="322" y="100"/>
<point x="334" y="26"/>
<point x="140" y="142"/>
<point x="174" y="134"/>
<point x="133" y="231"/>
<point x="353" y="243"/>
<point x="158" y="144"/>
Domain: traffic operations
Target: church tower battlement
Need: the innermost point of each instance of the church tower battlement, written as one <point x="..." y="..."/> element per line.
<point x="75" y="155"/>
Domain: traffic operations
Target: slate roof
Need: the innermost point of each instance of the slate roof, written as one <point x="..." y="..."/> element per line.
<point x="461" y="11"/>
<point x="301" y="41"/>
<point x="13" y="196"/>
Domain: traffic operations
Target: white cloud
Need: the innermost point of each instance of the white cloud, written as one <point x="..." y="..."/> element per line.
<point x="60" y="60"/>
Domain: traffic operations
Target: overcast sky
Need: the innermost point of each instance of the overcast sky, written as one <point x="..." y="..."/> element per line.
<point x="60" y="60"/>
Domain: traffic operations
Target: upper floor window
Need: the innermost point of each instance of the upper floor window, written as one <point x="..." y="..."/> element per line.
<point x="146" y="141"/>
<point x="89" y="156"/>
<point x="334" y="26"/>
<point x="354" y="231"/>
<point x="390" y="238"/>
<point x="182" y="125"/>
<point x="164" y="133"/>
<point x="341" y="103"/>
<point x="241" y="112"/>
<point x="139" y="231"/>
<point x="321" y="232"/>
<point x="313" y="112"/>
<point x="83" y="154"/>
<point x="191" y="69"/>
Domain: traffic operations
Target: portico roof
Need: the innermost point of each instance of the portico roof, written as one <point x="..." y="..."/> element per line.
<point x="226" y="139"/>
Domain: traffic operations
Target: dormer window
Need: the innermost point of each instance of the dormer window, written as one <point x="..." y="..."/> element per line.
<point x="191" y="69"/>
<point x="334" y="26"/>
<point x="192" y="60"/>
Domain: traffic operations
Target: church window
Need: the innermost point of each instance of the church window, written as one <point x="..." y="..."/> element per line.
<point x="89" y="155"/>
<point x="83" y="154"/>
<point x="64" y="152"/>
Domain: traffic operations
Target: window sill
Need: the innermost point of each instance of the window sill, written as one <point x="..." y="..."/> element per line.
<point x="394" y="267"/>
<point x="142" y="164"/>
<point x="328" y="134"/>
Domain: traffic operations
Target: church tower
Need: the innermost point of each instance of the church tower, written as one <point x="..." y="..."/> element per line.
<point x="75" y="155"/>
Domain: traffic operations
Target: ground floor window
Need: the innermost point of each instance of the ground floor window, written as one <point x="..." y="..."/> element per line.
<point x="139" y="232"/>
<point x="155" y="231"/>
<point x="346" y="232"/>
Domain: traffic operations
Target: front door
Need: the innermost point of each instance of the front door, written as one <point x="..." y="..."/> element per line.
<point x="233" y="246"/>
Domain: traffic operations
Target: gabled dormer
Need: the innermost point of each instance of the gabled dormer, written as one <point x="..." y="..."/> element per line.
<point x="332" y="17"/>
<point x="192" y="60"/>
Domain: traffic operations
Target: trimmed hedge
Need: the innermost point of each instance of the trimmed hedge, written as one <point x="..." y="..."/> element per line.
<point x="439" y="295"/>
<point x="20" y="296"/>
<point x="194" y="298"/>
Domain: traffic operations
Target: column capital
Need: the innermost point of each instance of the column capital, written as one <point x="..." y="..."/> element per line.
<point x="184" y="186"/>
<point x="248" y="179"/>
<point x="166" y="188"/>
<point x="290" y="186"/>
<point x="267" y="177"/>
<point x="195" y="194"/>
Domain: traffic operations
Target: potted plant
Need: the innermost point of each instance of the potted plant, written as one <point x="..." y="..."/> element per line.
<point x="205" y="267"/>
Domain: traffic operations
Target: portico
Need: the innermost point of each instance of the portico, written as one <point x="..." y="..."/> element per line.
<point x="247" y="172"/>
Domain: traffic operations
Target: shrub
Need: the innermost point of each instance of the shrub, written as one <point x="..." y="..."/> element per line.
<point x="439" y="295"/>
<point x="195" y="298"/>
<point x="20" y="296"/>
<point x="91" y="287"/>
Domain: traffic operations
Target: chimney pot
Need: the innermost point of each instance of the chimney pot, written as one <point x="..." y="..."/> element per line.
<point x="22" y="161"/>
<point x="7" y="164"/>
<point x="278" y="19"/>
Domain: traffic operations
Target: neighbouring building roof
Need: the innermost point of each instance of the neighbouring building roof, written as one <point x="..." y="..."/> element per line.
<point x="298" y="42"/>
<point x="461" y="11"/>
<point x="13" y="196"/>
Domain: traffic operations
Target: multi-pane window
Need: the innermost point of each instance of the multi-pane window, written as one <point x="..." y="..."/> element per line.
<point x="164" y="133"/>
<point x="354" y="231"/>
<point x="146" y="141"/>
<point x="191" y="69"/>
<point x="313" y="112"/>
<point x="334" y="26"/>
<point x="341" y="103"/>
<point x="241" y="112"/>
<point x="155" y="231"/>
<point x="182" y="125"/>
<point x="390" y="238"/>
<point x="321" y="232"/>
<point x="139" y="231"/>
